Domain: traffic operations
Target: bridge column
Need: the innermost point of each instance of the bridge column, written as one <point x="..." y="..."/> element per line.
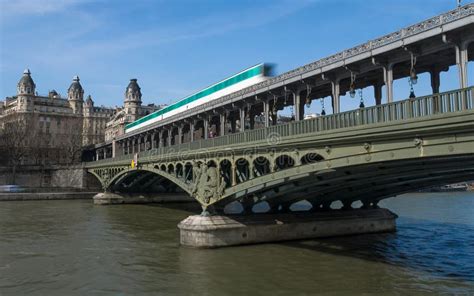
<point x="206" y="127"/>
<point x="233" y="122"/>
<point x="435" y="80"/>
<point x="105" y="153"/>
<point x="170" y="136"/>
<point x="297" y="105"/>
<point x="153" y="140"/>
<point x="191" y="131"/>
<point x="378" y="93"/>
<point x="242" y="119"/>
<point x="133" y="146"/>
<point x="161" y="142"/>
<point x="302" y="105"/>
<point x="114" y="148"/>
<point x="222" y="119"/>
<point x="97" y="155"/>
<point x="461" y="61"/>
<point x="180" y="134"/>
<point x="266" y="112"/>
<point x="148" y="143"/>
<point x="251" y="119"/>
<point x="388" y="79"/>
<point x="336" y="96"/>
<point x="273" y="107"/>
<point x="233" y="170"/>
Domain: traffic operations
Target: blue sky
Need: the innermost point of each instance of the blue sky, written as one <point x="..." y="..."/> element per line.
<point x="177" y="47"/>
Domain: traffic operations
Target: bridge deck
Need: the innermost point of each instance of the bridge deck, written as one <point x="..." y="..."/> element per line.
<point x="410" y="109"/>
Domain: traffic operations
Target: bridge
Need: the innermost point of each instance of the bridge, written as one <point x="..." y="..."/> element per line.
<point x="355" y="158"/>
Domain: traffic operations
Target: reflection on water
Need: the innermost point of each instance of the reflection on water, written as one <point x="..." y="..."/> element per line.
<point x="73" y="247"/>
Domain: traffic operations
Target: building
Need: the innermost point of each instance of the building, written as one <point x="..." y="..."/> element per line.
<point x="131" y="111"/>
<point x="95" y="122"/>
<point x="53" y="129"/>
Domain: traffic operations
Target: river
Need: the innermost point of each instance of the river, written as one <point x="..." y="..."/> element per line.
<point x="75" y="248"/>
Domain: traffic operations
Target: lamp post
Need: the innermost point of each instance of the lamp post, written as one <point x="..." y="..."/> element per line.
<point x="412" y="91"/>
<point x="352" y="91"/>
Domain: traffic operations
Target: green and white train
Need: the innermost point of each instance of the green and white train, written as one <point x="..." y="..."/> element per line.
<point x="232" y="84"/>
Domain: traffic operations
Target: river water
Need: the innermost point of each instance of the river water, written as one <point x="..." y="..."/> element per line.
<point x="75" y="248"/>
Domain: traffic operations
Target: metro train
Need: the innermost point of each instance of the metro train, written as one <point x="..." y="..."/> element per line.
<point x="229" y="85"/>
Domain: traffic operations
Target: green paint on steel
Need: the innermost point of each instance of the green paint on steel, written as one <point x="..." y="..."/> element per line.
<point x="251" y="72"/>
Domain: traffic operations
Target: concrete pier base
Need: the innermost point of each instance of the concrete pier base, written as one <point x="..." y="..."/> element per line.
<point x="108" y="198"/>
<point x="222" y="231"/>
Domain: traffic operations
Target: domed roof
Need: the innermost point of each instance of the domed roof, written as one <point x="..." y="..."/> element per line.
<point x="133" y="90"/>
<point x="26" y="80"/>
<point x="75" y="85"/>
<point x="89" y="101"/>
<point x="53" y="94"/>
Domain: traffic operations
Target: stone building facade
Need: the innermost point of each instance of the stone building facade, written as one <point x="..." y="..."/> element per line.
<point x="52" y="129"/>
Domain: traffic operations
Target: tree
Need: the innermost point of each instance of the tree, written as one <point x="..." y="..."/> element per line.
<point x="71" y="142"/>
<point x="17" y="136"/>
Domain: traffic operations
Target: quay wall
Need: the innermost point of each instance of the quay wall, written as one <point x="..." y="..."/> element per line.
<point x="38" y="178"/>
<point x="45" y="196"/>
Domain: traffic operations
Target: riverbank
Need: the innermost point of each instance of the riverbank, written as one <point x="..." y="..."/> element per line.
<point x="16" y="196"/>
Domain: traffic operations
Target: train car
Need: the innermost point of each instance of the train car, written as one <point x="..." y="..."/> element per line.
<point x="229" y="85"/>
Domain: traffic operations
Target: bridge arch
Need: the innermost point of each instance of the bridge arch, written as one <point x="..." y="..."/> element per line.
<point x="242" y="170"/>
<point x="225" y="168"/>
<point x="146" y="173"/>
<point x="188" y="172"/>
<point x="323" y="182"/>
<point x="211" y="164"/>
<point x="262" y="166"/>
<point x="179" y="170"/>
<point x="310" y="158"/>
<point x="96" y="177"/>
<point x="284" y="161"/>
<point x="170" y="169"/>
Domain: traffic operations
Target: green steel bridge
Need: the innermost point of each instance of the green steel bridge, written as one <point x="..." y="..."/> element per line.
<point x="365" y="155"/>
<point x="362" y="155"/>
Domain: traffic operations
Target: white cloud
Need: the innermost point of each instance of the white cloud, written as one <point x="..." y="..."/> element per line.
<point x="192" y="29"/>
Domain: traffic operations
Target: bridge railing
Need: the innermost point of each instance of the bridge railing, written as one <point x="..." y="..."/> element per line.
<point x="447" y="102"/>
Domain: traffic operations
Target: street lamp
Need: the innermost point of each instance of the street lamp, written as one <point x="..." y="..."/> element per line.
<point x="412" y="91"/>
<point x="361" y="105"/>
<point x="413" y="76"/>
<point x="352" y="91"/>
